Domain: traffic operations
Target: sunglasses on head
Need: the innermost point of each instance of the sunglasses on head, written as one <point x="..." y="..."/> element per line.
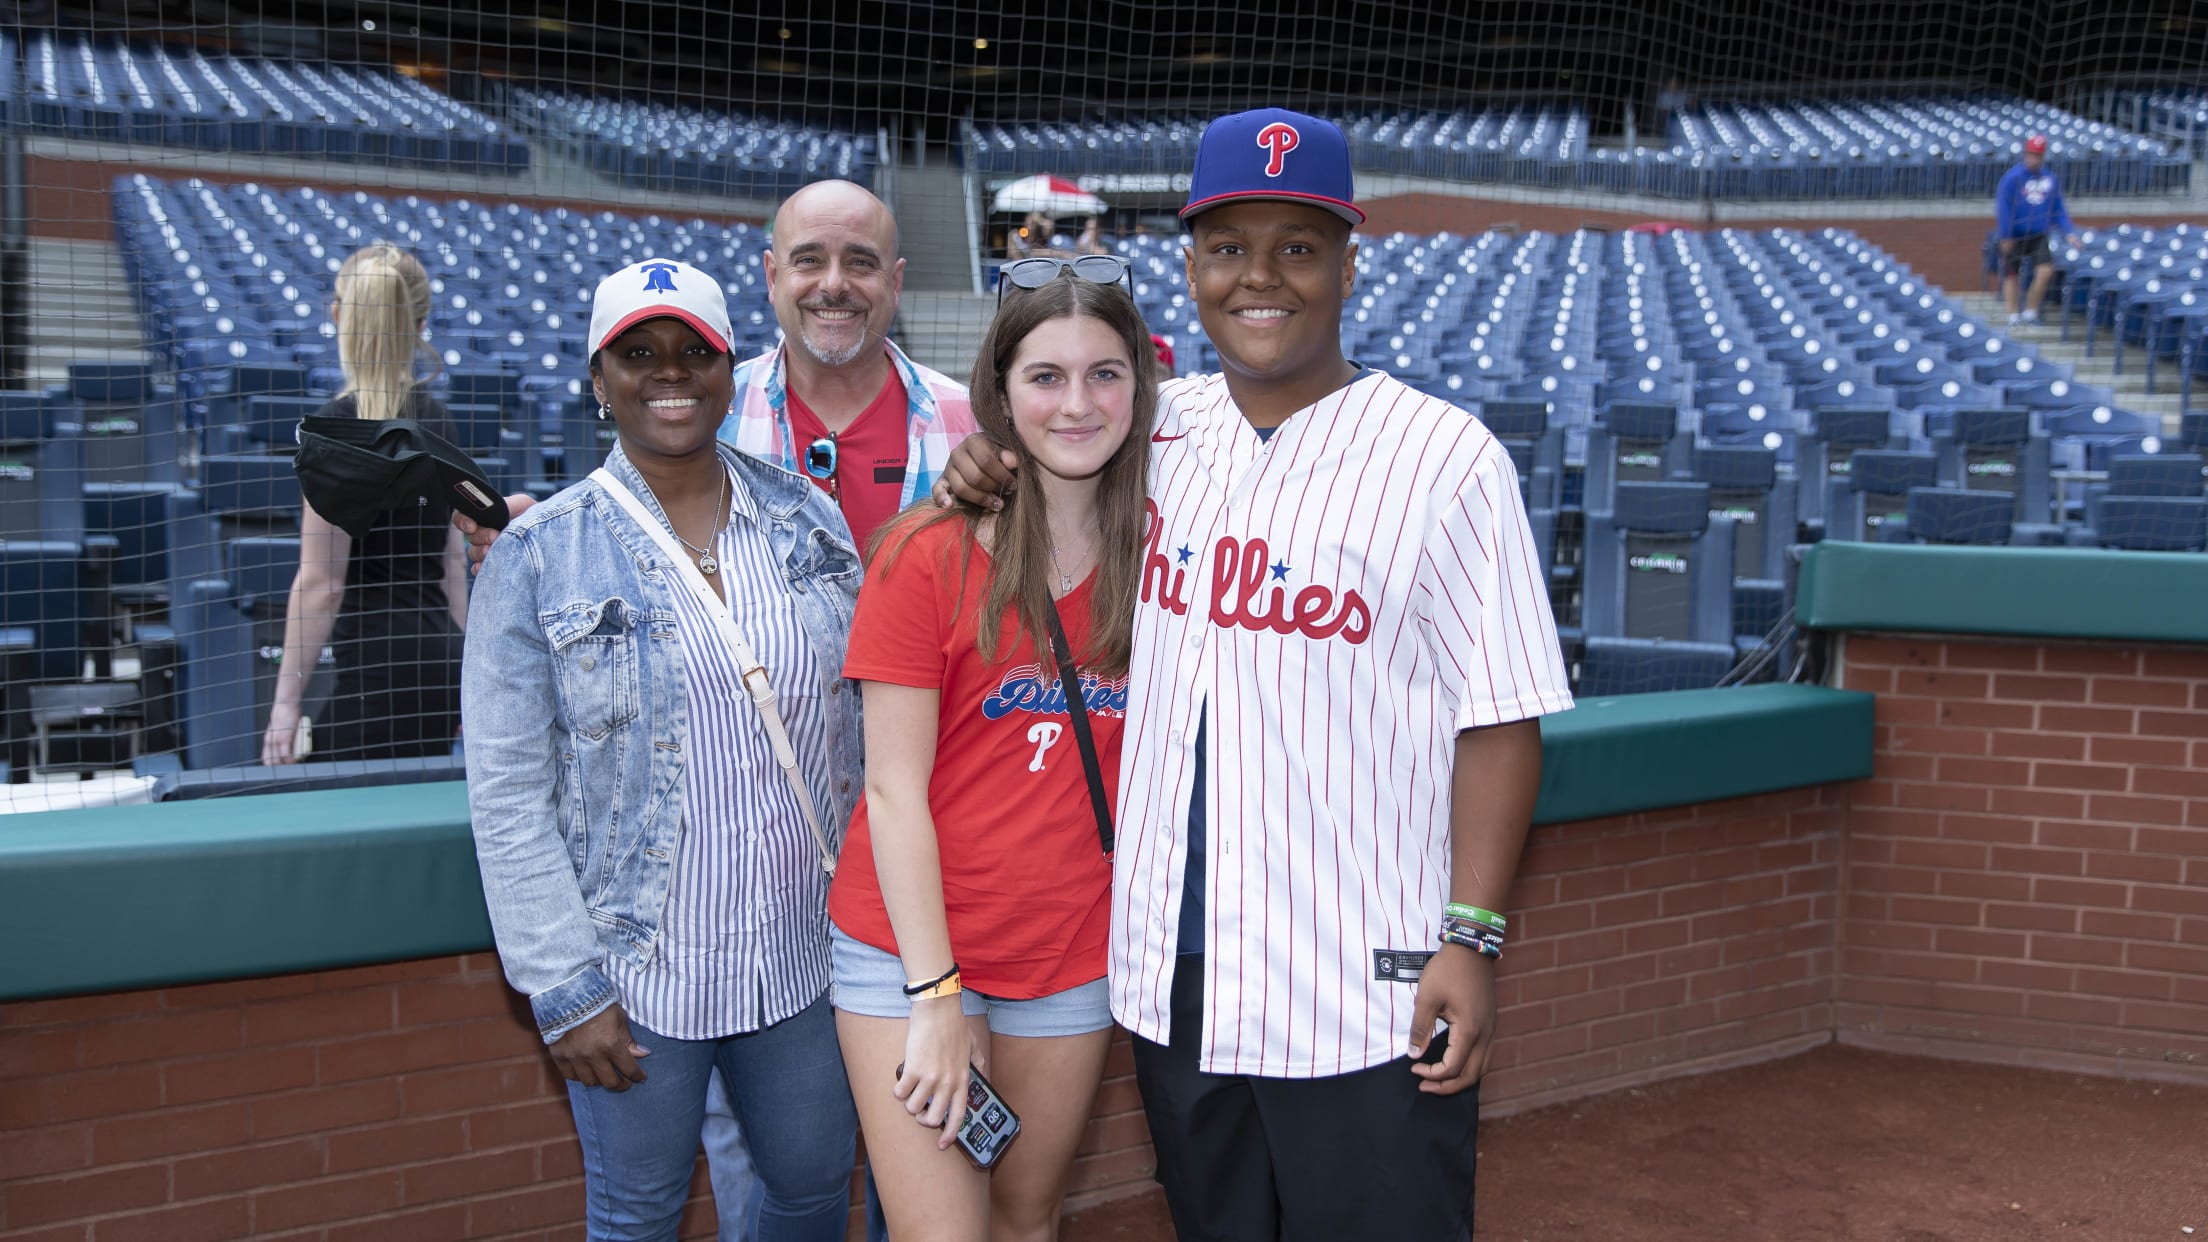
<point x="1097" y="269"/>
<point x="820" y="461"/>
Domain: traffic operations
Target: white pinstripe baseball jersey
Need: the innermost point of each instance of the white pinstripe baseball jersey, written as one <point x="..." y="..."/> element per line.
<point x="1346" y="598"/>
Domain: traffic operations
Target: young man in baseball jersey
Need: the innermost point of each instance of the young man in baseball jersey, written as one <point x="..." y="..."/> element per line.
<point x="1342" y="644"/>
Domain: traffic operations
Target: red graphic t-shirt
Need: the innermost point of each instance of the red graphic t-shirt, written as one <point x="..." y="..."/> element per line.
<point x="870" y="456"/>
<point x="1026" y="884"/>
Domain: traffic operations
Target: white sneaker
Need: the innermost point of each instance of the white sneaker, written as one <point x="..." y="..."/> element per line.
<point x="2031" y="316"/>
<point x="2015" y="320"/>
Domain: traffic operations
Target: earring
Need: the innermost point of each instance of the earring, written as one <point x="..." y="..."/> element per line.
<point x="604" y="411"/>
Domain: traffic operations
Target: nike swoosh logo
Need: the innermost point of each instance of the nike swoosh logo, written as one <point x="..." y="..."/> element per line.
<point x="1159" y="437"/>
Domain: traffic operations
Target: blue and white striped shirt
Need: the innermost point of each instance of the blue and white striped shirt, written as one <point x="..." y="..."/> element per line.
<point x="744" y="941"/>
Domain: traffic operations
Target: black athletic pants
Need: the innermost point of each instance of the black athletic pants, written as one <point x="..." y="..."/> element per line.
<point x="1363" y="1155"/>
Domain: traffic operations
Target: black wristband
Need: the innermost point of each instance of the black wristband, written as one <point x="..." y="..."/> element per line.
<point x="915" y="989"/>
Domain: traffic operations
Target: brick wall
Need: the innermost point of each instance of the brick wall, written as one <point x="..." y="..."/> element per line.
<point x="404" y="1101"/>
<point x="410" y="1100"/>
<point x="1650" y="945"/>
<point x="414" y="1100"/>
<point x="2025" y="879"/>
<point x="2027" y="872"/>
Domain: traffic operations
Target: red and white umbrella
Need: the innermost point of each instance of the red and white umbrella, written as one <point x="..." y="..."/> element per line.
<point x="1053" y="196"/>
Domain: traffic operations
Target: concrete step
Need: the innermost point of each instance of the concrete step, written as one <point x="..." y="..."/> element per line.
<point x="88" y="277"/>
<point x="81" y="309"/>
<point x="45" y="292"/>
<point x="89" y="353"/>
<point x="932" y="223"/>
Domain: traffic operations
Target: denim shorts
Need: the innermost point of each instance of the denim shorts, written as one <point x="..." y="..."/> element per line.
<point x="871" y="983"/>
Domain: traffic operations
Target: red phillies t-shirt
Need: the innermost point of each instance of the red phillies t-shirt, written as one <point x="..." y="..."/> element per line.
<point x="1026" y="885"/>
<point x="870" y="456"/>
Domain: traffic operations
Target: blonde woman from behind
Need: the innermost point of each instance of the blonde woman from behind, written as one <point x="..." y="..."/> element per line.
<point x="390" y="606"/>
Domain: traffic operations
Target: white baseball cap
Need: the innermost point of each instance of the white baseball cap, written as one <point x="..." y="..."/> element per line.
<point x="655" y="287"/>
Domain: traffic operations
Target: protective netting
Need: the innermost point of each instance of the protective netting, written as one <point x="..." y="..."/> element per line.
<point x="1721" y="276"/>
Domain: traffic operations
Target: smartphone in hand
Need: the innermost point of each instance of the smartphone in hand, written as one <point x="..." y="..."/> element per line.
<point x="990" y="1124"/>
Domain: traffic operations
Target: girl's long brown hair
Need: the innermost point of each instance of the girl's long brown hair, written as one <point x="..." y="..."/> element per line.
<point x="1021" y="558"/>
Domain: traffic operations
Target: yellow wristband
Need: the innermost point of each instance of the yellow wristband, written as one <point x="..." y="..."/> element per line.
<point x="948" y="985"/>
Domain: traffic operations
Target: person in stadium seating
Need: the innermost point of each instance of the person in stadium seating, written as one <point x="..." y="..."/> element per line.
<point x="2027" y="206"/>
<point x="1092" y="239"/>
<point x="972" y="904"/>
<point x="393" y="604"/>
<point x="836" y="401"/>
<point x="661" y="750"/>
<point x="1342" y="646"/>
<point x="1032" y="237"/>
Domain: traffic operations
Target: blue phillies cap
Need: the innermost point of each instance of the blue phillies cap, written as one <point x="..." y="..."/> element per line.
<point x="1274" y="154"/>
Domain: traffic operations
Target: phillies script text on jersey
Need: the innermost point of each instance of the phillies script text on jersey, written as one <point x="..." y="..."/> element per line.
<point x="1031" y="688"/>
<point x="1239" y="571"/>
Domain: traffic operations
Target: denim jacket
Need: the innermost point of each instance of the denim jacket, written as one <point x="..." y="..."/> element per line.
<point x="573" y="699"/>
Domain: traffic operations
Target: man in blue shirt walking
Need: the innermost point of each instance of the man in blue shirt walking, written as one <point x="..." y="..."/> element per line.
<point x="2027" y="206"/>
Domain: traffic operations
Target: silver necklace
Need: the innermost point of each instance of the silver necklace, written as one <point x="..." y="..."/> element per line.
<point x="1065" y="580"/>
<point x="1065" y="583"/>
<point x="706" y="564"/>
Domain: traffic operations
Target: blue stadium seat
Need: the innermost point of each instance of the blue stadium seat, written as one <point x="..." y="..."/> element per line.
<point x="1523" y="427"/>
<point x="2148" y="523"/>
<point x="126" y="422"/>
<point x="41" y="592"/>
<point x="1658" y="595"/>
<point x="135" y="516"/>
<point x="231" y="632"/>
<point x="265" y="424"/>
<point x="1875" y="504"/>
<point x="585" y="439"/>
<point x="2158" y="474"/>
<point x="660" y="146"/>
<point x="1747" y="488"/>
<point x="1634" y="443"/>
<point x="1804" y="149"/>
<point x="1960" y="515"/>
<point x="236" y="385"/>
<point x="239" y="497"/>
<point x="1997" y="450"/>
<point x="1822" y="460"/>
<point x="186" y="96"/>
<point x="28" y="471"/>
<point x="1659" y="566"/>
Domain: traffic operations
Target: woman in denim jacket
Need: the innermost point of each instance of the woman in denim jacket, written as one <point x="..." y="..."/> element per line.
<point x="656" y="876"/>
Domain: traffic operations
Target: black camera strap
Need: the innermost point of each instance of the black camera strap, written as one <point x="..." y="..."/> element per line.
<point x="1069" y="681"/>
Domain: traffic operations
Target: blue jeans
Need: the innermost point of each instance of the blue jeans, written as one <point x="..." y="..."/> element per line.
<point x="787" y="1084"/>
<point x="736" y="1189"/>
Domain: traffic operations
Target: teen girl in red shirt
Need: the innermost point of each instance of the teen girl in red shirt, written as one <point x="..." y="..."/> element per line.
<point x="973" y="896"/>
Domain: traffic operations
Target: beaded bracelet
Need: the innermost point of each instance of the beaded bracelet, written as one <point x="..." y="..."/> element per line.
<point x="1457" y="934"/>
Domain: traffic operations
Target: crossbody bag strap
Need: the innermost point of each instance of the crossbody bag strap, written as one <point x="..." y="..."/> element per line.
<point x="756" y="682"/>
<point x="1069" y="681"/>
